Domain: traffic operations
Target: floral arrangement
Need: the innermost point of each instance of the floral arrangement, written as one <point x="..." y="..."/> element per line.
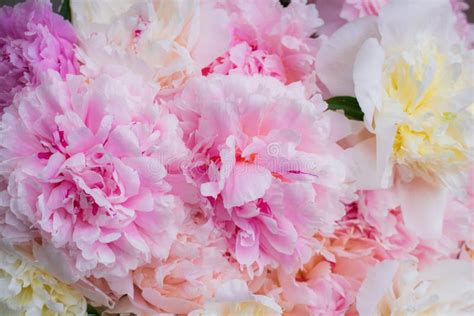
<point x="235" y="157"/>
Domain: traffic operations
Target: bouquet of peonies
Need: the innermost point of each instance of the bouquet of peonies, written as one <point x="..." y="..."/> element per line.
<point x="237" y="157"/>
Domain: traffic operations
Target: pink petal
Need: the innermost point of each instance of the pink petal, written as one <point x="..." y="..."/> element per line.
<point x="123" y="142"/>
<point x="247" y="247"/>
<point x="246" y="183"/>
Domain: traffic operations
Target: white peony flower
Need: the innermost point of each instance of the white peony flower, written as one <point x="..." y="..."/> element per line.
<point x="442" y="288"/>
<point x="165" y="41"/>
<point x="26" y="290"/>
<point x="234" y="299"/>
<point x="412" y="76"/>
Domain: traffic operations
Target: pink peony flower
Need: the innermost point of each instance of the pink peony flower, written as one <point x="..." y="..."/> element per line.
<point x="378" y="217"/>
<point x="328" y="282"/>
<point x="33" y="39"/>
<point x="270" y="39"/>
<point x="265" y="160"/>
<point x="343" y="261"/>
<point x="85" y="162"/>
<point x="196" y="267"/>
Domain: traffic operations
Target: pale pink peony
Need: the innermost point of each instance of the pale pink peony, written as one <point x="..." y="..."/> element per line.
<point x="32" y="40"/>
<point x="196" y="267"/>
<point x="86" y="165"/>
<point x="328" y="282"/>
<point x="377" y="215"/>
<point x="265" y="159"/>
<point x="270" y="39"/>
<point x="343" y="261"/>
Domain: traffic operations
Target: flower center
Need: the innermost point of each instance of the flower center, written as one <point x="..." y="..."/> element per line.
<point x="417" y="91"/>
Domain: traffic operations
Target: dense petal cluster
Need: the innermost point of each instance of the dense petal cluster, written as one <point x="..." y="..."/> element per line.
<point x="235" y="157"/>
<point x="445" y="287"/>
<point x="163" y="41"/>
<point x="328" y="283"/>
<point x="264" y="158"/>
<point x="27" y="290"/>
<point x="269" y="39"/>
<point x="32" y="40"/>
<point x="415" y="93"/>
<point x="377" y="216"/>
<point x="90" y="178"/>
<point x="193" y="272"/>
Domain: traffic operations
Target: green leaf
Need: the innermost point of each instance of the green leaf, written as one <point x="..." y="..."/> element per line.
<point x="65" y="10"/>
<point x="92" y="311"/>
<point x="349" y="105"/>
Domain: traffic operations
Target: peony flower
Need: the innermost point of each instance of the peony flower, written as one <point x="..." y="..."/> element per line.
<point x="265" y="160"/>
<point x="235" y="299"/>
<point x="86" y="164"/>
<point x="192" y="273"/>
<point x="328" y="283"/>
<point x="163" y="41"/>
<point x="270" y="39"/>
<point x="378" y="217"/>
<point x="27" y="290"/>
<point x="32" y="40"/>
<point x="393" y="288"/>
<point x="415" y="92"/>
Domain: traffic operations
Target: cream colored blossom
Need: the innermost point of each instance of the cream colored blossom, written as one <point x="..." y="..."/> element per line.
<point x="27" y="290"/>
<point x="403" y="289"/>
<point x="164" y="41"/>
<point x="412" y="76"/>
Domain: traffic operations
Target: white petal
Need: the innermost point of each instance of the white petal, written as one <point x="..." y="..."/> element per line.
<point x="423" y="206"/>
<point x="385" y="130"/>
<point x="375" y="285"/>
<point x="58" y="262"/>
<point x="368" y="69"/>
<point x="402" y="22"/>
<point x="233" y="291"/>
<point x="361" y="160"/>
<point x="336" y="57"/>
